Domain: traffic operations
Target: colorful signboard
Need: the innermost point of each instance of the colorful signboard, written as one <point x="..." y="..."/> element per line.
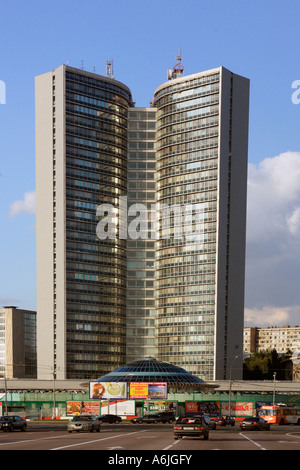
<point x="145" y="390"/>
<point x="83" y="407"/>
<point x="158" y="406"/>
<point x="195" y="407"/>
<point x="238" y="408"/>
<point x="101" y="407"/>
<point x="108" y="390"/>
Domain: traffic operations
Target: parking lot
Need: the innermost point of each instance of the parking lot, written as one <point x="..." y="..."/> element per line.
<point x="147" y="437"/>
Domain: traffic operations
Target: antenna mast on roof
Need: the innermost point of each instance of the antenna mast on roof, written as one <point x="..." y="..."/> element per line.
<point x="177" y="69"/>
<point x="109" y="68"/>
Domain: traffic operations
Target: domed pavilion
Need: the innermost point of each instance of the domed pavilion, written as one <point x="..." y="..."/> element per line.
<point x="152" y="370"/>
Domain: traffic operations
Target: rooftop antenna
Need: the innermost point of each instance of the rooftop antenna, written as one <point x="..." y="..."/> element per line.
<point x="109" y="68"/>
<point x="177" y="69"/>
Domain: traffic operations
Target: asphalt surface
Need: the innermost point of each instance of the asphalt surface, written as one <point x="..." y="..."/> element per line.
<point x="157" y="439"/>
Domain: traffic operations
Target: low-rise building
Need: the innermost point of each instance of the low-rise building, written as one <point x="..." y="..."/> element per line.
<point x="282" y="338"/>
<point x="17" y="343"/>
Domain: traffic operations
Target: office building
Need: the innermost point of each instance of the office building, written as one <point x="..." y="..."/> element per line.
<point x="201" y="152"/>
<point x="18" y="343"/>
<point x="81" y="163"/>
<point x="104" y="301"/>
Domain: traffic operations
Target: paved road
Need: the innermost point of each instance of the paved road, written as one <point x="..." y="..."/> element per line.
<point x="155" y="438"/>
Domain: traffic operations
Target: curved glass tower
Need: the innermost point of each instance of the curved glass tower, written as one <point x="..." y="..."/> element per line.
<point x="81" y="121"/>
<point x="202" y="125"/>
<point x="176" y="291"/>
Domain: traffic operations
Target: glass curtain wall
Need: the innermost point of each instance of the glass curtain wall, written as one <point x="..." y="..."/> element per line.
<point x="2" y="346"/>
<point x="30" y="349"/>
<point x="96" y="173"/>
<point x="141" y="250"/>
<point x="187" y="183"/>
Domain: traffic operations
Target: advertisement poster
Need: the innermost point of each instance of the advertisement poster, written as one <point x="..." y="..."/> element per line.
<point x="238" y="408"/>
<point x="83" y="407"/>
<point x="108" y="390"/>
<point x="195" y="407"/>
<point x="158" y="406"/>
<point x="101" y="407"/>
<point x="118" y="407"/>
<point x="148" y="390"/>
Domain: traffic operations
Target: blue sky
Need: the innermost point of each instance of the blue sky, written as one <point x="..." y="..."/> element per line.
<point x="256" y="39"/>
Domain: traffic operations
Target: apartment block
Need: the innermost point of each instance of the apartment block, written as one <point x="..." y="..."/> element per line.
<point x="283" y="339"/>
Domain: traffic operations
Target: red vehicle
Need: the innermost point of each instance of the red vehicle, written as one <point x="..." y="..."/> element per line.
<point x="281" y="414"/>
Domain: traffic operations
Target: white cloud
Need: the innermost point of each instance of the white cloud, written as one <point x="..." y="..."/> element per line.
<point x="272" y="316"/>
<point x="274" y="197"/>
<point x="293" y="221"/>
<point x="273" y="239"/>
<point x="27" y="205"/>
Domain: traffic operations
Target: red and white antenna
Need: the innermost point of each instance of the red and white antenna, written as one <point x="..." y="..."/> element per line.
<point x="177" y="69"/>
<point x="109" y="68"/>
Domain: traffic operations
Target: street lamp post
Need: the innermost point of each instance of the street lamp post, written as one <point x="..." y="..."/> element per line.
<point x="5" y="386"/>
<point x="54" y="404"/>
<point x="230" y="370"/>
<point x="274" y="377"/>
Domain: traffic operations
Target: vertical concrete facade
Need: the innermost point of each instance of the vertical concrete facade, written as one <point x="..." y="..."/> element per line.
<point x="44" y="223"/>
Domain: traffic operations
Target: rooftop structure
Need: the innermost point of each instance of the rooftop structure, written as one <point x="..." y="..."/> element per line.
<point x="152" y="370"/>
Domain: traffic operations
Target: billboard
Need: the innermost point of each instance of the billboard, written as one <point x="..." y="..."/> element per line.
<point x="158" y="406"/>
<point x="197" y="407"/>
<point x="238" y="408"/>
<point x="83" y="407"/>
<point x="97" y="407"/>
<point x="118" y="407"/>
<point x="108" y="390"/>
<point x="146" y="390"/>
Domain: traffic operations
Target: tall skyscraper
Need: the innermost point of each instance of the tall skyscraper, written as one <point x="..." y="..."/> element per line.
<point x="202" y="143"/>
<point x="103" y="301"/>
<point x="81" y="163"/>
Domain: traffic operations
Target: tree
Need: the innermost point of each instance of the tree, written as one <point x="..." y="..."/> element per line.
<point x="262" y="366"/>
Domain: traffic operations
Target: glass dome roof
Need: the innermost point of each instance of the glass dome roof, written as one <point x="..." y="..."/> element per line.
<point x="151" y="370"/>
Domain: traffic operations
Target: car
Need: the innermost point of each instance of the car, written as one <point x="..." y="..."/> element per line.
<point x="224" y="420"/>
<point x="84" y="423"/>
<point x="257" y="423"/>
<point x="195" y="426"/>
<point x="162" y="417"/>
<point x="109" y="419"/>
<point x="10" y="423"/>
<point x="208" y="419"/>
<point x="210" y="422"/>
